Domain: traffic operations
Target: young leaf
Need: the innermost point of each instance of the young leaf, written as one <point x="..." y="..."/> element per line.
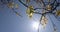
<point x="58" y="13"/>
<point x="49" y="7"/>
<point x="16" y="6"/>
<point x="44" y="21"/>
<point x="29" y="11"/>
<point x="10" y="5"/>
<point x="18" y="14"/>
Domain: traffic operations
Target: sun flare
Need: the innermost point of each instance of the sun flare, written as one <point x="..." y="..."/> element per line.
<point x="35" y="25"/>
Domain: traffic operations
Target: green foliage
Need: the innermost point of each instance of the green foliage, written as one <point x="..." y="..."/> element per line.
<point x="30" y="11"/>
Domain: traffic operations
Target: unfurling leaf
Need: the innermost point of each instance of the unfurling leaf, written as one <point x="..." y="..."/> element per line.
<point x="30" y="11"/>
<point x="16" y="6"/>
<point x="10" y="5"/>
<point x="44" y="26"/>
<point x="44" y="21"/>
<point x="58" y="13"/>
<point x="18" y="14"/>
<point x="49" y="7"/>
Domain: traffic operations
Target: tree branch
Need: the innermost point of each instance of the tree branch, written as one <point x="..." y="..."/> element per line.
<point x="23" y="3"/>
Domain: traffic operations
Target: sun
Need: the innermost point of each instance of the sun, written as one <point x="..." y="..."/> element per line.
<point x="35" y="25"/>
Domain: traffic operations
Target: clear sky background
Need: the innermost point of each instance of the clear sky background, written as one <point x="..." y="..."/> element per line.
<point x="10" y="22"/>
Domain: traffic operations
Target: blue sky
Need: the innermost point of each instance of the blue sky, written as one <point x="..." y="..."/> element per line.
<point x="10" y="22"/>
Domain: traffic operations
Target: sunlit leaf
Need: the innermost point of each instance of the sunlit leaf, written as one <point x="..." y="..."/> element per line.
<point x="44" y="26"/>
<point x="49" y="7"/>
<point x="10" y="5"/>
<point x="44" y="21"/>
<point x="16" y="6"/>
<point x="18" y="14"/>
<point x="30" y="11"/>
<point x="58" y="13"/>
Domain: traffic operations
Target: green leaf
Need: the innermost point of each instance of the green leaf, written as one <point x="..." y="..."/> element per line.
<point x="30" y="11"/>
<point x="10" y="5"/>
<point x="58" y="13"/>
